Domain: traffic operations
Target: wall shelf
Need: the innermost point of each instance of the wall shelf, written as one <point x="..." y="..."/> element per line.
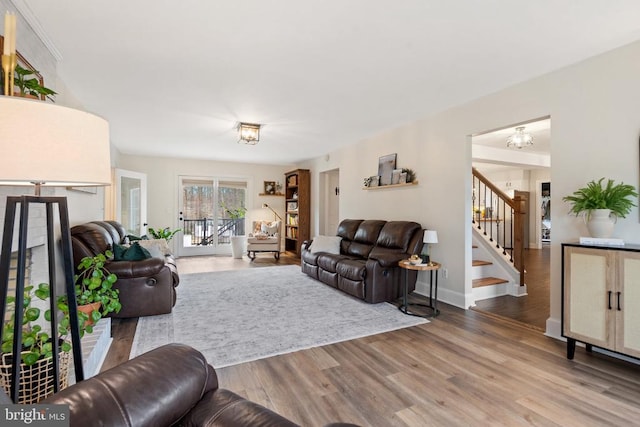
<point x="267" y="194"/>
<point x="380" y="187"/>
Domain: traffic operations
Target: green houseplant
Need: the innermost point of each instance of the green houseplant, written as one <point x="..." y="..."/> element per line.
<point x="36" y="356"/>
<point x="602" y="205"/>
<point x="24" y="80"/>
<point x="616" y="197"/>
<point x="94" y="284"/>
<point x="164" y="233"/>
<point x="36" y="342"/>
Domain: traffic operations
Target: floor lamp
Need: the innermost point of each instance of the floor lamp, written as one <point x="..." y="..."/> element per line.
<point x="46" y="145"/>
<point x="266" y="206"/>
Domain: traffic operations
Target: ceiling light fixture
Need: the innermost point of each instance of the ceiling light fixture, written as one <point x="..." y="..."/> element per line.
<point x="249" y="133"/>
<point x="519" y="139"/>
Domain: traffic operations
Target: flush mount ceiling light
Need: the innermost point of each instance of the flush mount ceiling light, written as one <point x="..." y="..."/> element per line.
<point x="519" y="139"/>
<point x="249" y="133"/>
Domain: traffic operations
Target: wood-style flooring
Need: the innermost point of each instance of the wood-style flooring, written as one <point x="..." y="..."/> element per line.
<point x="532" y="309"/>
<point x="464" y="368"/>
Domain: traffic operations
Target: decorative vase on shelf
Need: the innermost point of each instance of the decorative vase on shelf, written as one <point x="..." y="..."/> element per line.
<point x="600" y="223"/>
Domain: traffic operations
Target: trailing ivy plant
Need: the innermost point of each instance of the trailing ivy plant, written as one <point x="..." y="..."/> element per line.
<point x="617" y="198"/>
<point x="37" y="343"/>
<point x="94" y="283"/>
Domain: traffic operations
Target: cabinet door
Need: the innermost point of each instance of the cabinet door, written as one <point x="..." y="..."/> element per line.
<point x="587" y="286"/>
<point x="628" y="309"/>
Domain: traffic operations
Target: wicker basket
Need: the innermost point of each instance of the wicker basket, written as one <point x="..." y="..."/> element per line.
<point x="36" y="381"/>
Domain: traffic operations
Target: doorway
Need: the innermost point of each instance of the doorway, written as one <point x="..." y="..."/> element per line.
<point x="131" y="201"/>
<point x="329" y="202"/>
<point x="211" y="211"/>
<point x="519" y="171"/>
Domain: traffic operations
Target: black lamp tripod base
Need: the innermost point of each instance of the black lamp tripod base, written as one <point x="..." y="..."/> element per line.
<point x="5" y="261"/>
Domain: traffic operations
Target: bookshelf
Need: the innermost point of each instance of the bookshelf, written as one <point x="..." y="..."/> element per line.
<point x="298" y="209"/>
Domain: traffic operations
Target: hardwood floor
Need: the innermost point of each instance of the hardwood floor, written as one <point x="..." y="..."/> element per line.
<point x="532" y="309"/>
<point x="464" y="368"/>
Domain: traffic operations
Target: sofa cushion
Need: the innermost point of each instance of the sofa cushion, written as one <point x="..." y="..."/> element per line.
<point x="354" y="269"/>
<point x="135" y="252"/>
<point x="397" y="234"/>
<point x="155" y="246"/>
<point x="364" y="239"/>
<point x="329" y="244"/>
<point x="270" y="228"/>
<point x="328" y="261"/>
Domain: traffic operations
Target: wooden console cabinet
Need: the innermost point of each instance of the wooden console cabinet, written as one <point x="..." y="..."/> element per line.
<point x="298" y="209"/>
<point x="601" y="298"/>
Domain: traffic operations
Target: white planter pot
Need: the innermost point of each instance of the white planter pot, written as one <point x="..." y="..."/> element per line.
<point x="600" y="223"/>
<point x="237" y="246"/>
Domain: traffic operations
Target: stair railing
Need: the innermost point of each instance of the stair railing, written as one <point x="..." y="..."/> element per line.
<point x="500" y="218"/>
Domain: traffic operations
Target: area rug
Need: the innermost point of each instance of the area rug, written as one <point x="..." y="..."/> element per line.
<point x="238" y="316"/>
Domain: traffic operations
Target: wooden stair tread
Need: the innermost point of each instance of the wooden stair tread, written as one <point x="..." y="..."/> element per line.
<point x="487" y="281"/>
<point x="477" y="262"/>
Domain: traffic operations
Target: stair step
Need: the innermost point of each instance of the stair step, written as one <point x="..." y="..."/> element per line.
<point x="477" y="262"/>
<point x="487" y="281"/>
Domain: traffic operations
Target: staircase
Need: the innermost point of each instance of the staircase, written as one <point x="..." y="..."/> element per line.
<point x="498" y="242"/>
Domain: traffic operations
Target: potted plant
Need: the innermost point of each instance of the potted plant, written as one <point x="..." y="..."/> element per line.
<point x="164" y="233"/>
<point x="94" y="287"/>
<point x="30" y="86"/>
<point x="237" y="240"/>
<point x="37" y="346"/>
<point x="598" y="203"/>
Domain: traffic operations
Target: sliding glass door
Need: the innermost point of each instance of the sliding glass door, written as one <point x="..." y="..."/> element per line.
<point x="212" y="209"/>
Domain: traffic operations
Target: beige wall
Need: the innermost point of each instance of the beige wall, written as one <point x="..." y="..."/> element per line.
<point x="595" y="120"/>
<point x="163" y="177"/>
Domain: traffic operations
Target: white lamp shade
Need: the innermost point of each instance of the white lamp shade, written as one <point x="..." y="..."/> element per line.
<point x="52" y="145"/>
<point x="430" y="236"/>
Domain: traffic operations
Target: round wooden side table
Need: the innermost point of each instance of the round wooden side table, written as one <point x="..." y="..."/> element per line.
<point x="432" y="268"/>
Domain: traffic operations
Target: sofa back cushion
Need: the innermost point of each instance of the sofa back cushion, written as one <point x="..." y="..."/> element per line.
<point x="365" y="238"/>
<point x="347" y="231"/>
<point x="397" y="237"/>
<point x="397" y="234"/>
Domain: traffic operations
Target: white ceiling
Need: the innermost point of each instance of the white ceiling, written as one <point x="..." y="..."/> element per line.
<point x="499" y="157"/>
<point x="173" y="78"/>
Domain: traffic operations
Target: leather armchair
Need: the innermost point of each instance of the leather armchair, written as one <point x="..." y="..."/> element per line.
<point x="170" y="385"/>
<point x="147" y="287"/>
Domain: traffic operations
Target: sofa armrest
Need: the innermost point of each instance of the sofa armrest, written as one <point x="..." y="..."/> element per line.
<point x="225" y="408"/>
<point x="144" y="268"/>
<point x="389" y="259"/>
<point x="154" y="389"/>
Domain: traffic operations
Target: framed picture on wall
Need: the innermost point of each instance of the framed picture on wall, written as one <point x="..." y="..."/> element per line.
<point x="386" y="165"/>
<point x="269" y="187"/>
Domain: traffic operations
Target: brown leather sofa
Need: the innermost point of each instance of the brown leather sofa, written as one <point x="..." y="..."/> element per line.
<point x="147" y="287"/>
<point x="367" y="265"/>
<point x="170" y="385"/>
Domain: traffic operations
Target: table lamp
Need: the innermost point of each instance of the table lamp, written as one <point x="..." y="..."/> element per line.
<point x="44" y="144"/>
<point x="429" y="237"/>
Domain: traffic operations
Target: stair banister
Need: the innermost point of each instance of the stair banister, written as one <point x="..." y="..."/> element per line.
<point x="517" y="213"/>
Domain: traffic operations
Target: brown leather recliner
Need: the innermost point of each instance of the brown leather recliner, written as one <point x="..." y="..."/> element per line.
<point x="367" y="265"/>
<point x="170" y="385"/>
<point x="147" y="287"/>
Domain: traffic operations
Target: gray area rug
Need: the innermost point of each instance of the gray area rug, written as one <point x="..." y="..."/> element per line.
<point x="238" y="316"/>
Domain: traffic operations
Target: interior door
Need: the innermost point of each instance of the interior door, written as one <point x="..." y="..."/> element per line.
<point x="131" y="201"/>
<point x="211" y="211"/>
